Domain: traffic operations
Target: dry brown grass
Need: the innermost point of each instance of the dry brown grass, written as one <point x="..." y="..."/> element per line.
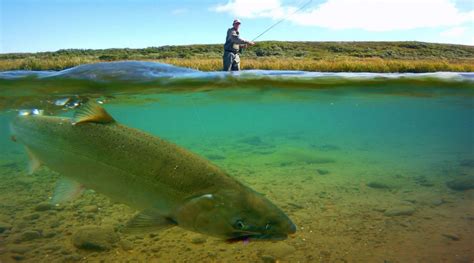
<point x="336" y="65"/>
<point x="58" y="63"/>
<point x="213" y="64"/>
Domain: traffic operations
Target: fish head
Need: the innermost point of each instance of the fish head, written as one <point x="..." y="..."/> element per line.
<point x="28" y="127"/>
<point x="236" y="215"/>
<point x="24" y="121"/>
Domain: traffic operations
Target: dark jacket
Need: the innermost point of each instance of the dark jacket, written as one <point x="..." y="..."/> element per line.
<point x="233" y="41"/>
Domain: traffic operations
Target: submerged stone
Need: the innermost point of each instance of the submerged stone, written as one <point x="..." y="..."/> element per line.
<point x="72" y="258"/>
<point x="4" y="226"/>
<point x="90" y="208"/>
<point x="279" y="250"/>
<point x="283" y="164"/>
<point x="422" y="181"/>
<point x="410" y="200"/>
<point x="451" y="236"/>
<point x="296" y="206"/>
<point x="95" y="238"/>
<point x="268" y="259"/>
<point x="20" y="249"/>
<point x="126" y="245"/>
<point x="461" y="184"/>
<point x="378" y="185"/>
<point x="467" y="163"/>
<point x="326" y="147"/>
<point x="18" y="257"/>
<point x="52" y="247"/>
<point x="253" y="140"/>
<point x="198" y="240"/>
<point x="49" y="234"/>
<point x="263" y="152"/>
<point x="26" y="236"/>
<point x="426" y="184"/>
<point x="214" y="157"/>
<point x="437" y="202"/>
<point x="33" y="216"/>
<point x="11" y="165"/>
<point x="400" y="211"/>
<point x="322" y="171"/>
<point x="319" y="160"/>
<point x="43" y="207"/>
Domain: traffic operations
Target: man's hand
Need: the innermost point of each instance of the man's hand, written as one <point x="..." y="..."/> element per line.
<point x="249" y="44"/>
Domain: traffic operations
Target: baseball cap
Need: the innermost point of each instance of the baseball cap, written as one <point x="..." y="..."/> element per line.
<point x="236" y="21"/>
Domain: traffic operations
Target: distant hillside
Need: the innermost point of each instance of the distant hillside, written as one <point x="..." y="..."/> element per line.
<point x="314" y="53"/>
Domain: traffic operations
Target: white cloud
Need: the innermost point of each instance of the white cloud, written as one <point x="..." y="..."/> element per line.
<point x="370" y="15"/>
<point x="250" y="8"/>
<point x="454" y="32"/>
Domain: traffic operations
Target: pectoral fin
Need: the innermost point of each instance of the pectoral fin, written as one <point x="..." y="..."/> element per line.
<point x="66" y="190"/>
<point x="148" y="220"/>
<point x="34" y="163"/>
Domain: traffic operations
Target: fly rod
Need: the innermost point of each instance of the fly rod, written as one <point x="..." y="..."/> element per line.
<point x="283" y="19"/>
<point x="279" y="21"/>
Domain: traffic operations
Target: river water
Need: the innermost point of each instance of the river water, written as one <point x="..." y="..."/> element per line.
<point x="370" y="167"/>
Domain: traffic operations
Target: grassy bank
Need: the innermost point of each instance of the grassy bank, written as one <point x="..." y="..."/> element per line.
<point x="333" y="65"/>
<point x="309" y="56"/>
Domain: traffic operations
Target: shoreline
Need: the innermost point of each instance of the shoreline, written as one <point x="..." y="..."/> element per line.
<point x="375" y="57"/>
<point x="369" y="65"/>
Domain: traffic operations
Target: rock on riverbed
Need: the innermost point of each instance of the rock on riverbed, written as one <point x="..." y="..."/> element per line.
<point x="461" y="184"/>
<point x="400" y="211"/>
<point x="4" y="226"/>
<point x="27" y="235"/>
<point x="95" y="238"/>
<point x="378" y="185"/>
<point x="279" y="250"/>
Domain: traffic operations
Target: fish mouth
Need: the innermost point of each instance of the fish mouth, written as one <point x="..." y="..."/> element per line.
<point x="252" y="236"/>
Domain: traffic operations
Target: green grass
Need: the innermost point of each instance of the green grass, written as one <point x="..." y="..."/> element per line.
<point x="309" y="56"/>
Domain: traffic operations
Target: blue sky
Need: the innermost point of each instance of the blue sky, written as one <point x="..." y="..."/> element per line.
<point x="49" y="25"/>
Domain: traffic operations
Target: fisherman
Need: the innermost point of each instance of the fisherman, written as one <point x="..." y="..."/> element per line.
<point x="232" y="46"/>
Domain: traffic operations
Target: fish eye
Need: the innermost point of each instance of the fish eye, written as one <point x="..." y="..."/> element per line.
<point x="239" y="224"/>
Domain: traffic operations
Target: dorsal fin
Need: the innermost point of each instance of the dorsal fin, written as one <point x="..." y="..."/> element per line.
<point x="91" y="111"/>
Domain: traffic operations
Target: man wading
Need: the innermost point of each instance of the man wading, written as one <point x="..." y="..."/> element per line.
<point x="232" y="46"/>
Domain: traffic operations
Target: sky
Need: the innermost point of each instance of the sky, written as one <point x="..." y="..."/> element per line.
<point x="50" y="25"/>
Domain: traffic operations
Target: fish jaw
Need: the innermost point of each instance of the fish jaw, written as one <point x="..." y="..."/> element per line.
<point x="235" y="214"/>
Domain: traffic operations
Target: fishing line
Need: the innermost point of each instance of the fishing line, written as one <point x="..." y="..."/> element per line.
<point x="204" y="131"/>
<point x="283" y="19"/>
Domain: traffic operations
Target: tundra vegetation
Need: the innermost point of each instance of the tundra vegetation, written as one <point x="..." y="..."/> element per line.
<point x="307" y="56"/>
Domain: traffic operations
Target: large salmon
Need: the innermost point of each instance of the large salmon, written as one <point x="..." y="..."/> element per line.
<point x="170" y="185"/>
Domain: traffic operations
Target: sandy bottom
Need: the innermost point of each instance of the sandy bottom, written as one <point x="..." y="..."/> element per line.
<point x="322" y="187"/>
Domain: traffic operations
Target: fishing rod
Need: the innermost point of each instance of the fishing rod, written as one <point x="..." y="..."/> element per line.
<point x="279" y="21"/>
<point x="283" y="19"/>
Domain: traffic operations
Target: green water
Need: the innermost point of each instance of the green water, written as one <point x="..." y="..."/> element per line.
<point x="337" y="159"/>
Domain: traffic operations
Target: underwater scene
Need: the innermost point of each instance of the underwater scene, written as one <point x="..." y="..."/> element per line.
<point x="147" y="162"/>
